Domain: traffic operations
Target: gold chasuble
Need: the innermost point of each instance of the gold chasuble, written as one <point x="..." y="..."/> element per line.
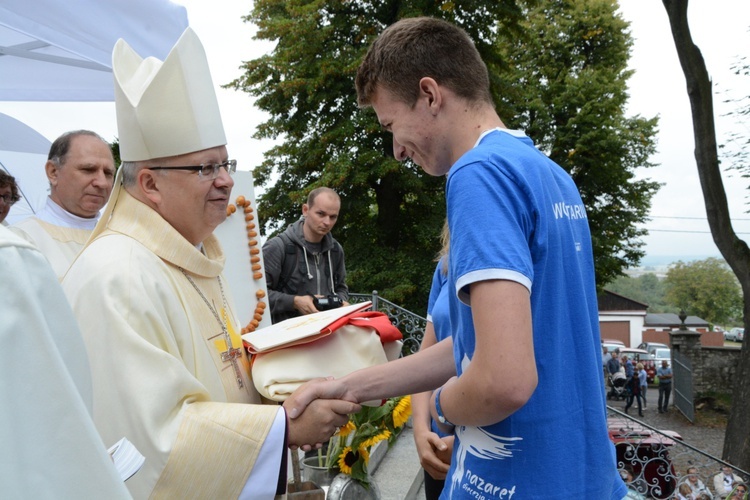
<point x="167" y="362"/>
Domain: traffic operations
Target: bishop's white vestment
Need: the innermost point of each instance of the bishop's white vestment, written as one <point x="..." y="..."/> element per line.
<point x="50" y="447"/>
<point x="146" y="300"/>
<point x="58" y="234"/>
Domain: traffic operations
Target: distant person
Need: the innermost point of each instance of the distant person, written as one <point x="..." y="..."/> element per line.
<point x="50" y="447"/>
<point x="664" y="372"/>
<point x="80" y="169"/>
<point x="739" y="492"/>
<point x="639" y="485"/>
<point x="633" y="388"/>
<point x="642" y="382"/>
<point x="305" y="270"/>
<point x="613" y="365"/>
<point x="606" y="356"/>
<point x="8" y="194"/>
<point x="698" y="489"/>
<point x="725" y="482"/>
<point x="684" y="492"/>
<point x="629" y="372"/>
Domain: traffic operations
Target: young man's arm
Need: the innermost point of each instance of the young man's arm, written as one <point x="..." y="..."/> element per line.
<point x="502" y="375"/>
<point x="423" y="371"/>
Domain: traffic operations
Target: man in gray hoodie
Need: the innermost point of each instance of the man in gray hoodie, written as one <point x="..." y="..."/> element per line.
<point x="304" y="265"/>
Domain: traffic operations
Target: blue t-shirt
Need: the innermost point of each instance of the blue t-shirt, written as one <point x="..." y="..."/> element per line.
<point x="439" y="314"/>
<point x="660" y="372"/>
<point x="437" y="304"/>
<point x="515" y="215"/>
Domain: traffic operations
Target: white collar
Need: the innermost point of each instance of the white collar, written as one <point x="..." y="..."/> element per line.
<point x="58" y="216"/>
<point x="513" y="132"/>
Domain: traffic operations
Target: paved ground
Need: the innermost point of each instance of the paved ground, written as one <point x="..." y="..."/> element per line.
<point x="707" y="439"/>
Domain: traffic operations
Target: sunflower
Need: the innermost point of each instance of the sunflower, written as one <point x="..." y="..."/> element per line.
<point x="402" y="411"/>
<point x="364" y="454"/>
<point x="347" y="459"/>
<point x="369" y="443"/>
<point x="345" y="430"/>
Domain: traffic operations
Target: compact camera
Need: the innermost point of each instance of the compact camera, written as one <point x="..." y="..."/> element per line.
<point x="326" y="303"/>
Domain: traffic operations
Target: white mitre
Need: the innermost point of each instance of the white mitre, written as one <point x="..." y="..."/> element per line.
<point x="165" y="108"/>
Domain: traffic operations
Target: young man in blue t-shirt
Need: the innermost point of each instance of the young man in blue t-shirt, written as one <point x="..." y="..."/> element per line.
<point x="526" y="396"/>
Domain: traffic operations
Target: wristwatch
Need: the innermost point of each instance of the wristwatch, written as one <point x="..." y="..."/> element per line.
<point x="439" y="410"/>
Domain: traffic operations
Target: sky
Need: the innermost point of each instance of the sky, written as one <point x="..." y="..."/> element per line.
<point x="678" y="228"/>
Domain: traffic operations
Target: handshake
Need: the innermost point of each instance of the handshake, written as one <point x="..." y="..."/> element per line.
<point x="316" y="410"/>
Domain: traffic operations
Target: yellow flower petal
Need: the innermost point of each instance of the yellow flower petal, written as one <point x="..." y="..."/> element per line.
<point x="345" y="430"/>
<point x="402" y="411"/>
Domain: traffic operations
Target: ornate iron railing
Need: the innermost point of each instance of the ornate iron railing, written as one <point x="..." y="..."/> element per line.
<point x="411" y="325"/>
<point x="658" y="460"/>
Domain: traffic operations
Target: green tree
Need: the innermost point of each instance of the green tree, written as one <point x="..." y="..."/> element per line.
<point x="647" y="288"/>
<point x="391" y="213"/>
<point x="706" y="288"/>
<point x="566" y="86"/>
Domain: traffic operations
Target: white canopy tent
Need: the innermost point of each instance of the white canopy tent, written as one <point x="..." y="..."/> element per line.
<point x="62" y="51"/>
<point x="23" y="152"/>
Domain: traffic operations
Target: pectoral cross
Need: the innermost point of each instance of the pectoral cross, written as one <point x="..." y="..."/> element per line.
<point x="230" y="347"/>
<point x="231" y="355"/>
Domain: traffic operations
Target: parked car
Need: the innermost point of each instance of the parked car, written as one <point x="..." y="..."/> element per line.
<point x="642" y="356"/>
<point x="662" y="354"/>
<point x="646" y="454"/>
<point x="735" y="334"/>
<point x="612" y="344"/>
<point x="651" y="346"/>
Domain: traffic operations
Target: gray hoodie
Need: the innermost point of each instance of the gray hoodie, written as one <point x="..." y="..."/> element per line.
<point x="319" y="270"/>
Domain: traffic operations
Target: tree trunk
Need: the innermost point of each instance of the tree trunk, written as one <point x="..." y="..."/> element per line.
<point x="734" y="250"/>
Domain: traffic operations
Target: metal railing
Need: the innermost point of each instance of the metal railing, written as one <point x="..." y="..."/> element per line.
<point x="411" y="325"/>
<point x="658" y="460"/>
<point x="682" y="369"/>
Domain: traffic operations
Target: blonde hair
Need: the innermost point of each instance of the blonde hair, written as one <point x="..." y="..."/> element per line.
<point x="445" y="240"/>
<point x="639" y="366"/>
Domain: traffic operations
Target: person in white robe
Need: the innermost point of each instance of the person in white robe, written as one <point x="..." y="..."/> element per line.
<point x="50" y="447"/>
<point x="8" y="195"/>
<point x="159" y="323"/>
<point x="80" y="169"/>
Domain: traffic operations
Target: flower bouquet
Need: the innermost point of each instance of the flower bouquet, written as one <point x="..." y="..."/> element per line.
<point x="349" y="449"/>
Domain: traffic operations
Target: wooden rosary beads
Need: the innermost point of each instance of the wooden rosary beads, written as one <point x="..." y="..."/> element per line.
<point x="255" y="265"/>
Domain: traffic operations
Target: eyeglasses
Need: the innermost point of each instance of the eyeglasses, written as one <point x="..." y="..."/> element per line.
<point x="7" y="199"/>
<point x="208" y="171"/>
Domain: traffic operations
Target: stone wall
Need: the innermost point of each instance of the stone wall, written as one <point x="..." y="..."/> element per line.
<point x="713" y="367"/>
<point x="713" y="370"/>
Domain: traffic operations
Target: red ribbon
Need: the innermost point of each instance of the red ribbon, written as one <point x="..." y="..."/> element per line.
<point x="376" y="320"/>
